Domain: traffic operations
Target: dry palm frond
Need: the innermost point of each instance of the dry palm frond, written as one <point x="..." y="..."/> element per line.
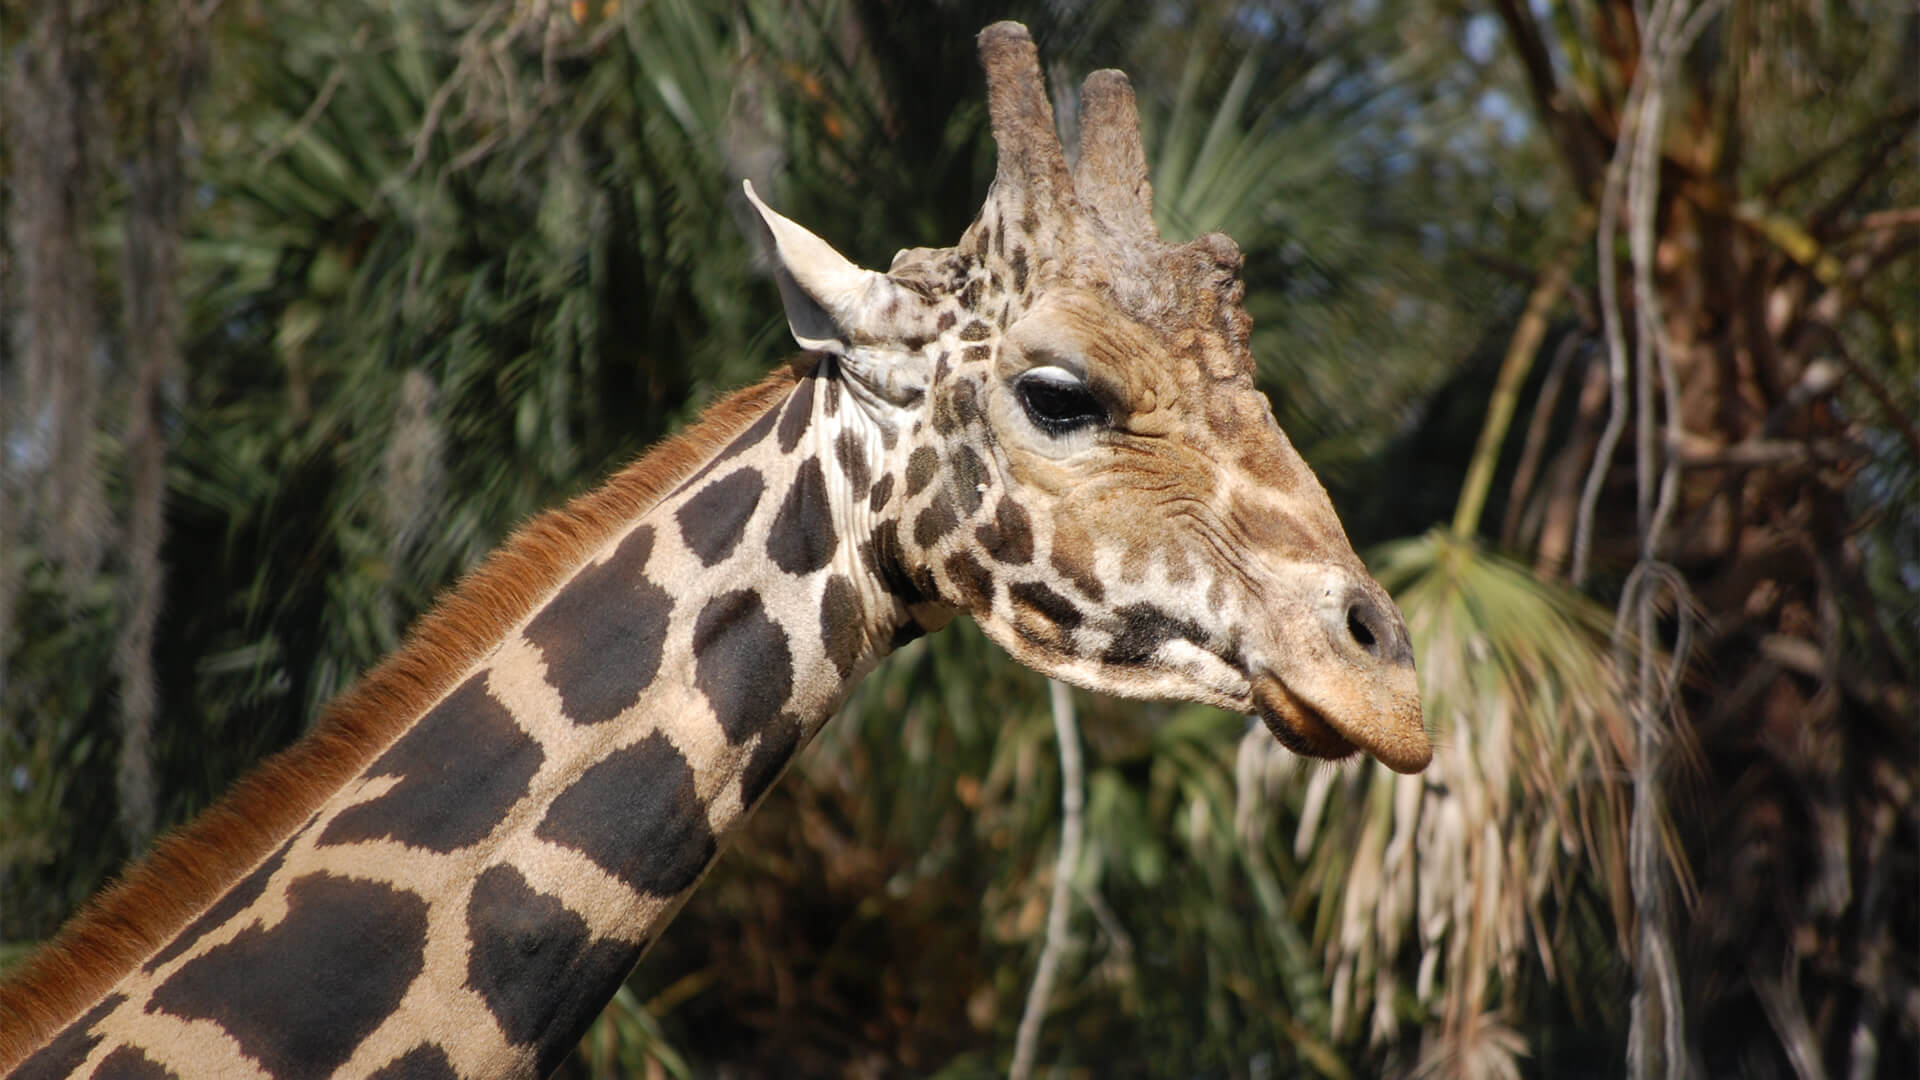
<point x="1484" y="1049"/>
<point x="1448" y="875"/>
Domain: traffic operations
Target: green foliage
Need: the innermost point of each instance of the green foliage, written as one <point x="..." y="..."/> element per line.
<point x="54" y="742"/>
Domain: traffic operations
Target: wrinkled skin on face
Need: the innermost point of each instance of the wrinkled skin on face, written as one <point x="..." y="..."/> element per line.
<point x="1187" y="501"/>
<point x="1084" y="465"/>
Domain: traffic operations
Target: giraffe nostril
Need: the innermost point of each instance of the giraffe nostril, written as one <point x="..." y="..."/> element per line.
<point x="1373" y="624"/>
<point x="1362" y="633"/>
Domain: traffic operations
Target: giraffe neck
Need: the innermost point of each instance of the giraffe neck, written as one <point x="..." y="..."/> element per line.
<point x="474" y="895"/>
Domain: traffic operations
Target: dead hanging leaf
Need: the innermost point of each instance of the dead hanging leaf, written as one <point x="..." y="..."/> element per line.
<point x="1456" y="866"/>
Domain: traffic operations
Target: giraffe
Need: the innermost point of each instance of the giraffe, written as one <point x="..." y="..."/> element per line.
<point x="1051" y="427"/>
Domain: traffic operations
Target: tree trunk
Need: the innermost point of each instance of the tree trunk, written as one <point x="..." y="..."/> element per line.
<point x="1754" y="364"/>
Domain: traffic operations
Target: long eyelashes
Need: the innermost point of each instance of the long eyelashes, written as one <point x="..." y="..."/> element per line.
<point x="1058" y="402"/>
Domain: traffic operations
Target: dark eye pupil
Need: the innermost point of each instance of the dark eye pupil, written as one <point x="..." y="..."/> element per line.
<point x="1059" y="407"/>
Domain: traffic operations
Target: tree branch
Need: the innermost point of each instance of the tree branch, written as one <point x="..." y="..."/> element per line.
<point x="1700" y="452"/>
<point x="1888" y="219"/>
<point x="1901" y="118"/>
<point x="1067" y="731"/>
<point x="1527" y="336"/>
<point x="1578" y="143"/>
<point x="1535" y="443"/>
<point x="1797" y="243"/>
<point x="1821" y="221"/>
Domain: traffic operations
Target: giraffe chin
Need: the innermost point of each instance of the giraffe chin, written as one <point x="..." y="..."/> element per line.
<point x="1299" y="726"/>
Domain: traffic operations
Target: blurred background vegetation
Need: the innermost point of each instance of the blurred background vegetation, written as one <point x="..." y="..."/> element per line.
<point x="1597" y="318"/>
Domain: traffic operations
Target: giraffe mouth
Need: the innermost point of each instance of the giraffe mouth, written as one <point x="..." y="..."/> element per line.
<point x="1299" y="726"/>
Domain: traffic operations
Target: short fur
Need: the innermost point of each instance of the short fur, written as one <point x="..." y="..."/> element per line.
<point x="189" y="869"/>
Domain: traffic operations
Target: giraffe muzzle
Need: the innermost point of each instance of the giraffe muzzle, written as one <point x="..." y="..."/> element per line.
<point x="1357" y="693"/>
<point x="1299" y="726"/>
<point x="1386" y="725"/>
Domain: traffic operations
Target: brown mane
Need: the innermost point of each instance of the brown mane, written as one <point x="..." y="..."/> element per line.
<point x="190" y="868"/>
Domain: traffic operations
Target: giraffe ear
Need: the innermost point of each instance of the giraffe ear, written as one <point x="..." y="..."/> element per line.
<point x="825" y="295"/>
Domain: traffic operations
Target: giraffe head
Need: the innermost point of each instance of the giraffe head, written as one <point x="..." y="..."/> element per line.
<point x="1060" y="425"/>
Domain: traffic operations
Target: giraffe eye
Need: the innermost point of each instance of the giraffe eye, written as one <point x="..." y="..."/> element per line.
<point x="1057" y="401"/>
